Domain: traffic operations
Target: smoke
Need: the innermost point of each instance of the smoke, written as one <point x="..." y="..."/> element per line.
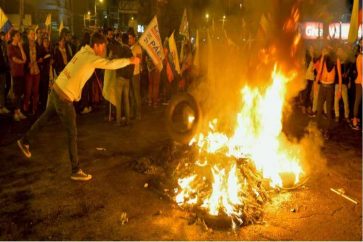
<point x="231" y="58"/>
<point x="312" y="160"/>
<point x="243" y="50"/>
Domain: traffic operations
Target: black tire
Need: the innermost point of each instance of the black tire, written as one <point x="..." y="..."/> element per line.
<point x="180" y="135"/>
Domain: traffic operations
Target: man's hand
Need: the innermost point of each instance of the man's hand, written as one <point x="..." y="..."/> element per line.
<point x="135" y="60"/>
<point x="339" y="93"/>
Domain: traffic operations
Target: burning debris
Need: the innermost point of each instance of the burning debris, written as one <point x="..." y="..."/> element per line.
<point x="230" y="174"/>
<point x="230" y="188"/>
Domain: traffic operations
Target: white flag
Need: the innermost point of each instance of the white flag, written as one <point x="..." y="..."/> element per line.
<point x="174" y="52"/>
<point x="48" y="20"/>
<point x="61" y="26"/>
<point x="151" y="42"/>
<point x="184" y="25"/>
<point x="196" y="60"/>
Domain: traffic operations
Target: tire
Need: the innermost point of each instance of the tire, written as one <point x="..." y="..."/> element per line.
<point x="177" y="134"/>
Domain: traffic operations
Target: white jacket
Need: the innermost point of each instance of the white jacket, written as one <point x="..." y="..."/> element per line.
<point x="76" y="73"/>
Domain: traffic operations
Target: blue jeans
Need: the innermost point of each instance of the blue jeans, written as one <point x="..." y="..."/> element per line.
<point x="66" y="112"/>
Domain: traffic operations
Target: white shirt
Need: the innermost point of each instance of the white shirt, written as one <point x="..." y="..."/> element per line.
<point x="76" y="73"/>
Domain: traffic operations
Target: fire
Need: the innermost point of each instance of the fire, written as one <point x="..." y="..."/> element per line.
<point x="257" y="137"/>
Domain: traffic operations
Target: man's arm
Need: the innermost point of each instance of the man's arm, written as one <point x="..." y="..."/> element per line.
<point x="339" y="69"/>
<point x="103" y="63"/>
<point x="359" y="68"/>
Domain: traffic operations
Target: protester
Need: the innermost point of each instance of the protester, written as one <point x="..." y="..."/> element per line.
<point x="32" y="76"/>
<point x="135" y="93"/>
<point x="45" y="66"/>
<point x="310" y="77"/>
<point x="345" y="69"/>
<point x="86" y="99"/>
<point x="123" y="78"/>
<point x="61" y="56"/>
<point x="358" y="88"/>
<point x="67" y="89"/>
<point x="154" y="83"/>
<point x="3" y="70"/>
<point x="17" y="59"/>
<point x="329" y="69"/>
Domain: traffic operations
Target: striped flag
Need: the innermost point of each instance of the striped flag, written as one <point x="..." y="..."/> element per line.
<point x="355" y="20"/>
<point x="5" y="24"/>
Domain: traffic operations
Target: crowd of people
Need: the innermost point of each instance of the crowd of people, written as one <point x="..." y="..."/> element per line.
<point x="333" y="77"/>
<point x="30" y="62"/>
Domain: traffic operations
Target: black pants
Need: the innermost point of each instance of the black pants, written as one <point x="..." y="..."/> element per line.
<point x="66" y="112"/>
<point x="307" y="100"/>
<point x="326" y="93"/>
<point x="357" y="100"/>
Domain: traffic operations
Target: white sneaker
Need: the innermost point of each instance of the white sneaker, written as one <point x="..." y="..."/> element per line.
<point x="22" y="116"/>
<point x="85" y="110"/>
<point x="81" y="176"/>
<point x="4" y="110"/>
<point x="17" y="117"/>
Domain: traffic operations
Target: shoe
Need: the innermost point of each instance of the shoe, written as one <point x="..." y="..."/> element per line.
<point x="326" y="135"/>
<point x="24" y="148"/>
<point x="4" y="110"/>
<point x="17" y="117"/>
<point x="85" y="110"/>
<point x="81" y="176"/>
<point x="303" y="110"/>
<point x="21" y="115"/>
<point x="312" y="114"/>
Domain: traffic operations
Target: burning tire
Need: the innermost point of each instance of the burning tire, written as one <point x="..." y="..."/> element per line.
<point x="183" y="117"/>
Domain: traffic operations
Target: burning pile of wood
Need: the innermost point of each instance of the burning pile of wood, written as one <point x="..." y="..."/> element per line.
<point x="252" y="191"/>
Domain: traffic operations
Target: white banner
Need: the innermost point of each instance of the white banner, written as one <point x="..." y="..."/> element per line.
<point x="151" y="42"/>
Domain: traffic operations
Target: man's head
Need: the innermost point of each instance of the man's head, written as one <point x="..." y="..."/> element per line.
<point x="15" y="36"/>
<point x="109" y="33"/>
<point x="45" y="42"/>
<point x="66" y="34"/>
<point x="2" y="35"/>
<point x="62" y="42"/>
<point x="125" y="39"/>
<point x="98" y="44"/>
<point x="132" y="36"/>
<point x="39" y="34"/>
<point x="31" y="35"/>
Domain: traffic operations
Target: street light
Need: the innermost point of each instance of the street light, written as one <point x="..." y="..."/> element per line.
<point x="101" y="1"/>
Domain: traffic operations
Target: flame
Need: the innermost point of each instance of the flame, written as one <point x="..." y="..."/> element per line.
<point x="257" y="136"/>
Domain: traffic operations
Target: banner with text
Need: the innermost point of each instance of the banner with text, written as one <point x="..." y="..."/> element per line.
<point x="151" y="42"/>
